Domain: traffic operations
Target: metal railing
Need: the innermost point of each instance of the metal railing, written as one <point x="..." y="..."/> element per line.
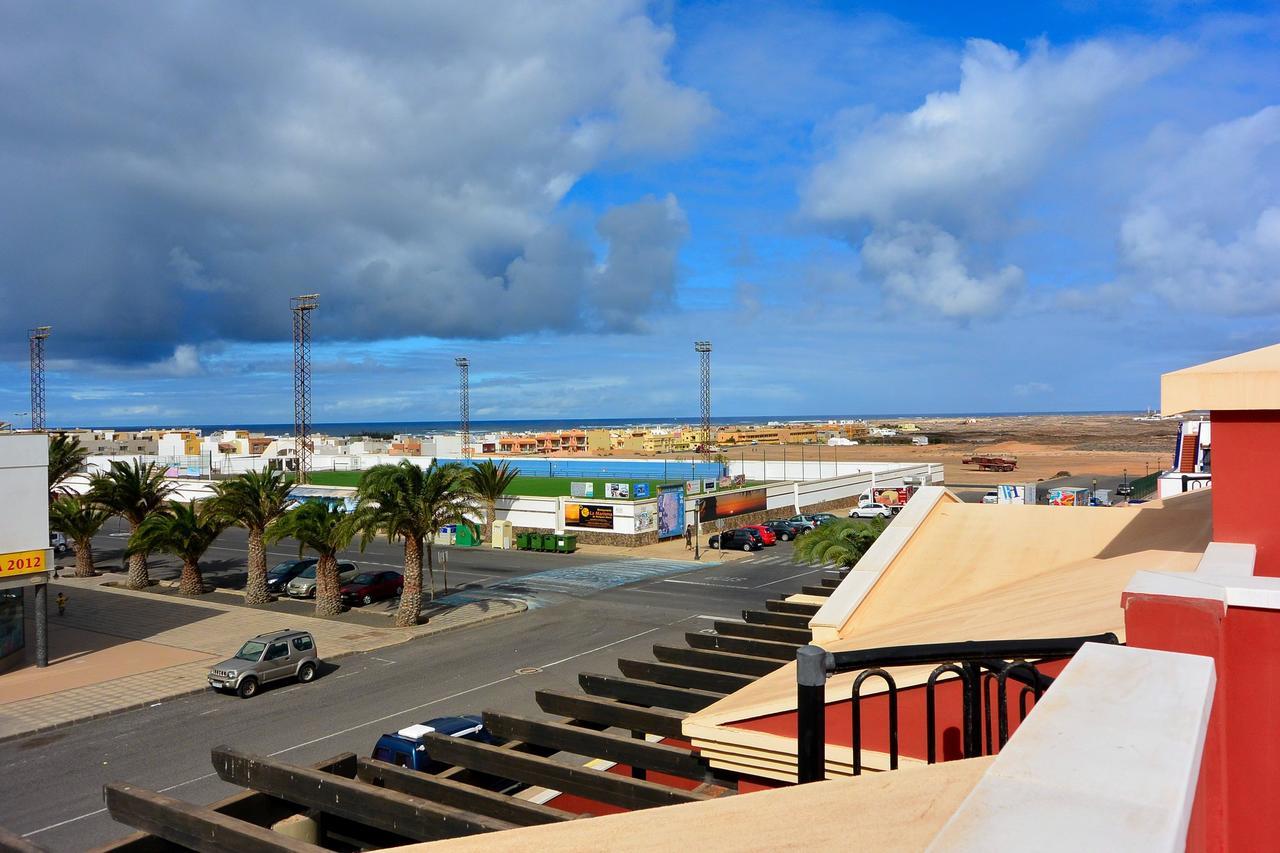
<point x="975" y="664"/>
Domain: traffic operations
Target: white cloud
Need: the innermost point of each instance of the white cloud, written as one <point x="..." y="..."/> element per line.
<point x="919" y="264"/>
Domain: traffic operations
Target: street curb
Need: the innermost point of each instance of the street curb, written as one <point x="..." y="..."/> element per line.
<point x="196" y="690"/>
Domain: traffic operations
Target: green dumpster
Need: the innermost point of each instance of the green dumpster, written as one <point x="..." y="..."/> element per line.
<point x="567" y="544"/>
<point x="548" y="542"/>
<point x="464" y="537"/>
<point x="522" y="541"/>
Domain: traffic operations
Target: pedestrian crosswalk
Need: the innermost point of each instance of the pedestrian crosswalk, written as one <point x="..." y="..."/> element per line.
<point x="543" y="588"/>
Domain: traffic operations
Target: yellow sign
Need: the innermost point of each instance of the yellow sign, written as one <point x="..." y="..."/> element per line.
<point x="23" y="563"/>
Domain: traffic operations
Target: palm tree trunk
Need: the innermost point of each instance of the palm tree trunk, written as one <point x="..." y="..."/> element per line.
<point x="255" y="588"/>
<point x="328" y="593"/>
<point x="139" y="577"/>
<point x="411" y="598"/>
<point x="84" y="559"/>
<point x="192" y="583"/>
<point x="491" y="515"/>
<point x="431" y="569"/>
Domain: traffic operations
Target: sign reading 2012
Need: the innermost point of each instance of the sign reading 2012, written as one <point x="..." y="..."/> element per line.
<point x="22" y="563"/>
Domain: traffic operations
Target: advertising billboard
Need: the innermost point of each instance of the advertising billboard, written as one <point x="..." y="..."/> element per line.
<point x="617" y="491"/>
<point x="646" y="519"/>
<point x="24" y="563"/>
<point x="728" y="505"/>
<point x="670" y="513"/>
<point x="593" y="516"/>
<point x="640" y="490"/>
<point x="582" y="490"/>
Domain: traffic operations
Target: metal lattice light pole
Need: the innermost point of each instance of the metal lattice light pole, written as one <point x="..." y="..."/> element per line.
<point x="464" y="404"/>
<point x="703" y="349"/>
<point x="302" y="306"/>
<point x="37" y="337"/>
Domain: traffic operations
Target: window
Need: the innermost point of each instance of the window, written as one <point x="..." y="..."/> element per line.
<point x="303" y="643"/>
<point x="402" y="759"/>
<point x="277" y="651"/>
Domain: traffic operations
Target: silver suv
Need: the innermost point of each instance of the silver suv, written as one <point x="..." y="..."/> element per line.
<point x="265" y="658"/>
<point x="304" y="585"/>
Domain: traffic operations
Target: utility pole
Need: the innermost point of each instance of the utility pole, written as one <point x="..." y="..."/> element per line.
<point x="464" y="404"/>
<point x="302" y="306"/>
<point x="37" y="337"/>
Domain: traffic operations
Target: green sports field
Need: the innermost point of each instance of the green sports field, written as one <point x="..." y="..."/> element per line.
<point x="546" y="487"/>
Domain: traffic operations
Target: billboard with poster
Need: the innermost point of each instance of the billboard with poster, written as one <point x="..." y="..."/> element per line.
<point x="582" y="490"/>
<point x="736" y="503"/>
<point x="671" y="521"/>
<point x="617" y="491"/>
<point x="592" y="516"/>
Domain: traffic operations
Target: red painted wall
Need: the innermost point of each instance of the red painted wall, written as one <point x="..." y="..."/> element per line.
<point x="1246" y="447"/>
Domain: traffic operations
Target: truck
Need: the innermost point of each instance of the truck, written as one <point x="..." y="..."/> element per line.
<point x="1016" y="493"/>
<point x="404" y="748"/>
<point x="893" y="497"/>
<point x="1070" y="496"/>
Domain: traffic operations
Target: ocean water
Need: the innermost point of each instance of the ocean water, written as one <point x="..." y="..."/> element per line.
<point x="548" y="424"/>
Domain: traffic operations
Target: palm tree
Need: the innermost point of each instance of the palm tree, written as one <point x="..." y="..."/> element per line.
<point x="133" y="491"/>
<point x="254" y="500"/>
<point x="66" y="457"/>
<point x="80" y="520"/>
<point x="185" y="530"/>
<point x="841" y="543"/>
<point x="326" y="531"/>
<point x="409" y="503"/>
<point x="489" y="482"/>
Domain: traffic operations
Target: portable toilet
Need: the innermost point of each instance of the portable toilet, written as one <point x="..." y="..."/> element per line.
<point x="502" y="532"/>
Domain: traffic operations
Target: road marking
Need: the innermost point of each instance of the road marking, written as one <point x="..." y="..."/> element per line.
<point x="715" y="585"/>
<point x="789" y="577"/>
<point x="718" y="618"/>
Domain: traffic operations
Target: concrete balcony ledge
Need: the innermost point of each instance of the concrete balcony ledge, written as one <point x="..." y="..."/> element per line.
<point x="1108" y="760"/>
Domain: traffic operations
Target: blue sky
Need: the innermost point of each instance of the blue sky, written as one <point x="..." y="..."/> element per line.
<point x="873" y="207"/>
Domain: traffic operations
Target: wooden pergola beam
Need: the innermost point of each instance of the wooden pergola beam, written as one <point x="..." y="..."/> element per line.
<point x="743" y="646"/>
<point x="782" y="620"/>
<point x="457" y="794"/>
<point x="772" y="633"/>
<point x="678" y="675"/>
<point x="647" y="693"/>
<point x="799" y="608"/>
<point x="379" y="808"/>
<point x="577" y="706"/>
<point x="622" y="749"/>
<point x="597" y="785"/>
<point x="194" y="827"/>
<point x="711" y="659"/>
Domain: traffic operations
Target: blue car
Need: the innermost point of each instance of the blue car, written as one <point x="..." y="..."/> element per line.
<point x="279" y="575"/>
<point x="406" y="749"/>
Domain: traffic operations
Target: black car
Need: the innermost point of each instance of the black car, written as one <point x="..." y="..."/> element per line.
<point x="739" y="539"/>
<point x="279" y="575"/>
<point x="785" y="530"/>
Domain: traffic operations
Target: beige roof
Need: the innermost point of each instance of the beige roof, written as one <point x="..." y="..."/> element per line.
<point x="1249" y="381"/>
<point x="983" y="572"/>
<point x="902" y="810"/>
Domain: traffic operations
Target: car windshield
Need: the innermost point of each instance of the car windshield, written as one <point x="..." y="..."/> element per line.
<point x="281" y="569"/>
<point x="308" y="572"/>
<point x="251" y="650"/>
<point x="365" y="578"/>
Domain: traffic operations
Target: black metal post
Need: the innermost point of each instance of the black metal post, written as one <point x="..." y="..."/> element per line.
<point x="972" y="710"/>
<point x="42" y="624"/>
<point x="811" y="714"/>
<point x="697" y="530"/>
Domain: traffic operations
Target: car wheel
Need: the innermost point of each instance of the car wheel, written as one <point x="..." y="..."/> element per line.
<point x="306" y="672"/>
<point x="399" y="591"/>
<point x="785" y="538"/>
<point x="746" y="546"/>
<point x="368" y="599"/>
<point x="248" y="687"/>
<point x="311" y="593"/>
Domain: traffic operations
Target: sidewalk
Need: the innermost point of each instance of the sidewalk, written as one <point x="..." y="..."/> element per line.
<point x="116" y="649"/>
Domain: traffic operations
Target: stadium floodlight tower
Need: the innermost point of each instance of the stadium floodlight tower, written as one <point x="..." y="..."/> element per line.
<point x="302" y="306"/>
<point x="464" y="404"/>
<point x="703" y="349"/>
<point x="37" y="337"/>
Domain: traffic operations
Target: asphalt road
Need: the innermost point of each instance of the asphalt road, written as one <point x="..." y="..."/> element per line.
<point x="165" y="747"/>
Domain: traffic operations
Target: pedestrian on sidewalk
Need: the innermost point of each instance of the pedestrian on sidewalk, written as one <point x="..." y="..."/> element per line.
<point x="688" y="537"/>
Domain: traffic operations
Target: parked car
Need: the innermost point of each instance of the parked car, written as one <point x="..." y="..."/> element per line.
<point x="58" y="542"/>
<point x="1124" y="489"/>
<point x="804" y="521"/>
<point x="738" y="539"/>
<point x="786" y="530"/>
<point x="304" y="584"/>
<point x="368" y="587"/>
<point x="279" y="575"/>
<point x="823" y="517"/>
<point x="991" y="498"/>
<point x="406" y="749"/>
<point x="871" y="510"/>
<point x="767" y="536"/>
<point x="266" y="658"/>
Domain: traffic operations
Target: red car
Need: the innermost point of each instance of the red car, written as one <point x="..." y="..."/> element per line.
<point x="368" y="587"/>
<point x="766" y="535"/>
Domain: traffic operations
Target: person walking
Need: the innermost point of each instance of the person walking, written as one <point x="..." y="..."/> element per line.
<point x="688" y="537"/>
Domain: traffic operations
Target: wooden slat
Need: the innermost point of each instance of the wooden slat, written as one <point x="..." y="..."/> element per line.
<point x="623" y="749"/>
<point x="13" y="843"/>
<point x="457" y="794"/>
<point x="771" y="633"/>
<point x="821" y="591"/>
<point x="782" y="620"/>
<point x="251" y="806"/>
<point x="390" y="811"/>
<point x="710" y="659"/>
<point x="577" y="706"/>
<point x="194" y="827"/>
<point x="743" y="646"/>
<point x="683" y="676"/>
<point x="610" y="788"/>
<point x="831" y="582"/>
<point x="647" y="693"/>
<point x="798" y="608"/>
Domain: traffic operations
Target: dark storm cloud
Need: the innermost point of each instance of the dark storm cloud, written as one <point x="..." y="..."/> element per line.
<point x="173" y="172"/>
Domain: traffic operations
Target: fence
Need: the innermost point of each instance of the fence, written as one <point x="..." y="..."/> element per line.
<point x="975" y="664"/>
<point x="1144" y="487"/>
